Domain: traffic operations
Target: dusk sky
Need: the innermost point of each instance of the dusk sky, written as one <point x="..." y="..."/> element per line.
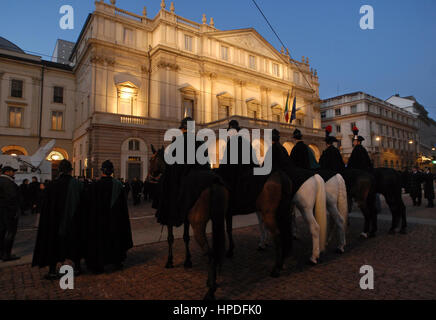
<point x="398" y="56"/>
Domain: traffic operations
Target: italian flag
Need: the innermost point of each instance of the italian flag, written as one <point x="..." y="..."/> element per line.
<point x="287" y="109"/>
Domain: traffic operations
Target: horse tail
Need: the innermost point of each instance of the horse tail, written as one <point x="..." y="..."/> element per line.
<point x="218" y="210"/>
<point x="342" y="199"/>
<point x="320" y="211"/>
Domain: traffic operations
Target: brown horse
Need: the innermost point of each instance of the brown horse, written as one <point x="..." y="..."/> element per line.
<point x="274" y="205"/>
<point x="212" y="204"/>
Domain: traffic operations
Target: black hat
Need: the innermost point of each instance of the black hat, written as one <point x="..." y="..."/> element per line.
<point x="65" y="166"/>
<point x="107" y="167"/>
<point x="8" y="168"/>
<point x="331" y="139"/>
<point x="359" y="138"/>
<point x="233" y="124"/>
<point x="297" y="134"/>
<point x="275" y="135"/>
<point x="184" y="123"/>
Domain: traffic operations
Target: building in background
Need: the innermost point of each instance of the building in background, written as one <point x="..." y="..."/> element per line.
<point x="62" y="51"/>
<point x="426" y="128"/>
<point x="390" y="132"/>
<point x="132" y="77"/>
<point x="37" y="104"/>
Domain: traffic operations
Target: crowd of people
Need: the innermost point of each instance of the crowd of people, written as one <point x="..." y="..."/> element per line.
<point x="88" y="219"/>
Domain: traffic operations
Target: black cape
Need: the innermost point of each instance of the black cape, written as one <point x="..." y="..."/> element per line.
<point x="429" y="185"/>
<point x="331" y="159"/>
<point x="359" y="159"/>
<point x="60" y="232"/>
<point x="109" y="232"/>
<point x="303" y="157"/>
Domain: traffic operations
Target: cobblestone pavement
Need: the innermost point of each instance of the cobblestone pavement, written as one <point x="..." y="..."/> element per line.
<point x="404" y="268"/>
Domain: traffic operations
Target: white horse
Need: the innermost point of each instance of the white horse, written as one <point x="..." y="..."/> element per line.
<point x="310" y="199"/>
<point x="313" y="199"/>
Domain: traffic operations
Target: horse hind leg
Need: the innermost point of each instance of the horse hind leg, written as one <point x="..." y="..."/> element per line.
<point x="340" y="226"/>
<point x="269" y="220"/>
<point x="263" y="233"/>
<point x="186" y="238"/>
<point x="170" y="240"/>
<point x="229" y="228"/>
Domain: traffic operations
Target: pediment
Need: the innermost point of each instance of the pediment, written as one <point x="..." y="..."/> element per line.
<point x="250" y="40"/>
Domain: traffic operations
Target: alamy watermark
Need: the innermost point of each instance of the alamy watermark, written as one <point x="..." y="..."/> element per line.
<point x="175" y="152"/>
<point x="67" y="20"/>
<point x="367" y="20"/>
<point x="367" y="280"/>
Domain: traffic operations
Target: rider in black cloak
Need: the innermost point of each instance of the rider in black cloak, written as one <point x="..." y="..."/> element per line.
<point x="331" y="158"/>
<point x="244" y="186"/>
<point x="359" y="158"/>
<point x="60" y="232"/>
<point x="301" y="155"/>
<point x="109" y="233"/>
<point x="178" y="189"/>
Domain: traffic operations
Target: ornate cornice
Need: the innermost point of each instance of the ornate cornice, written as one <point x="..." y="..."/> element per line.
<point x="164" y="64"/>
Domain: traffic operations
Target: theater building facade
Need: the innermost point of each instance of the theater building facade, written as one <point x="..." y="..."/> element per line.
<point x="135" y="77"/>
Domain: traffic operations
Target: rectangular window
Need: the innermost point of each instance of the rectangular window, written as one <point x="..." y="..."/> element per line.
<point x="323" y="115"/>
<point x="252" y="62"/>
<point x="296" y="77"/>
<point x="353" y="109"/>
<point x="224" y="112"/>
<point x="224" y="53"/>
<point x="57" y="118"/>
<point x="277" y="117"/>
<point x="338" y="129"/>
<point x="58" y="95"/>
<point x="338" y="112"/>
<point x="134" y="145"/>
<point x="188" y="108"/>
<point x="128" y="36"/>
<point x="17" y="88"/>
<point x="352" y="125"/>
<point x="276" y="70"/>
<point x="188" y="43"/>
<point x="15" y="117"/>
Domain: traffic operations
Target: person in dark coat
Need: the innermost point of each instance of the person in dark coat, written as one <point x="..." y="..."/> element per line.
<point x="109" y="234"/>
<point x="301" y="155"/>
<point x="136" y="191"/>
<point x="429" y="178"/>
<point x="60" y="230"/>
<point x="26" y="201"/>
<point x="9" y="213"/>
<point x="34" y="193"/>
<point x="405" y="179"/>
<point x="279" y="155"/>
<point x="331" y="158"/>
<point x="416" y="180"/>
<point x="359" y="158"/>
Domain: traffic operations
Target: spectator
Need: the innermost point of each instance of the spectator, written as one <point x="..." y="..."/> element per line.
<point x="416" y="180"/>
<point x="429" y="187"/>
<point x="34" y="193"/>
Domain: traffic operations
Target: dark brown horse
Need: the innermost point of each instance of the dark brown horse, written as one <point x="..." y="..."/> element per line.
<point x="273" y="203"/>
<point x="212" y="204"/>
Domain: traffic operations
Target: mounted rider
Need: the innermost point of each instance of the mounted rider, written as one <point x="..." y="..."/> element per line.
<point x="301" y="154"/>
<point x="238" y="175"/>
<point x="169" y="208"/>
<point x="331" y="158"/>
<point x="279" y="155"/>
<point x="359" y="158"/>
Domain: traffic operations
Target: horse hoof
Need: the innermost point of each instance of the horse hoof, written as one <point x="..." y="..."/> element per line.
<point x="339" y="251"/>
<point x="275" y="273"/>
<point x="229" y="254"/>
<point x="403" y="231"/>
<point x="188" y="264"/>
<point x="169" y="265"/>
<point x="210" y="296"/>
<point x="364" y="235"/>
<point x="311" y="262"/>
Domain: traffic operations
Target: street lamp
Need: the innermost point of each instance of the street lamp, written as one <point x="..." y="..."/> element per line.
<point x="410" y="141"/>
<point x="377" y="139"/>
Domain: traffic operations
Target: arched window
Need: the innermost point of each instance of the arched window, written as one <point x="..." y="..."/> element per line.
<point x="134" y="145"/>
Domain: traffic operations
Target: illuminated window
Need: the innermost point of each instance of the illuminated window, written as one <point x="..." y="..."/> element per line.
<point x="15" y="117"/>
<point x="188" y="108"/>
<point x="57" y="120"/>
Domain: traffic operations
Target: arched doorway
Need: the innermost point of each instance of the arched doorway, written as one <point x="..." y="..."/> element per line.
<point x="55" y="157"/>
<point x="134" y="159"/>
<point x="315" y="150"/>
<point x="288" y="146"/>
<point x="14" y="151"/>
